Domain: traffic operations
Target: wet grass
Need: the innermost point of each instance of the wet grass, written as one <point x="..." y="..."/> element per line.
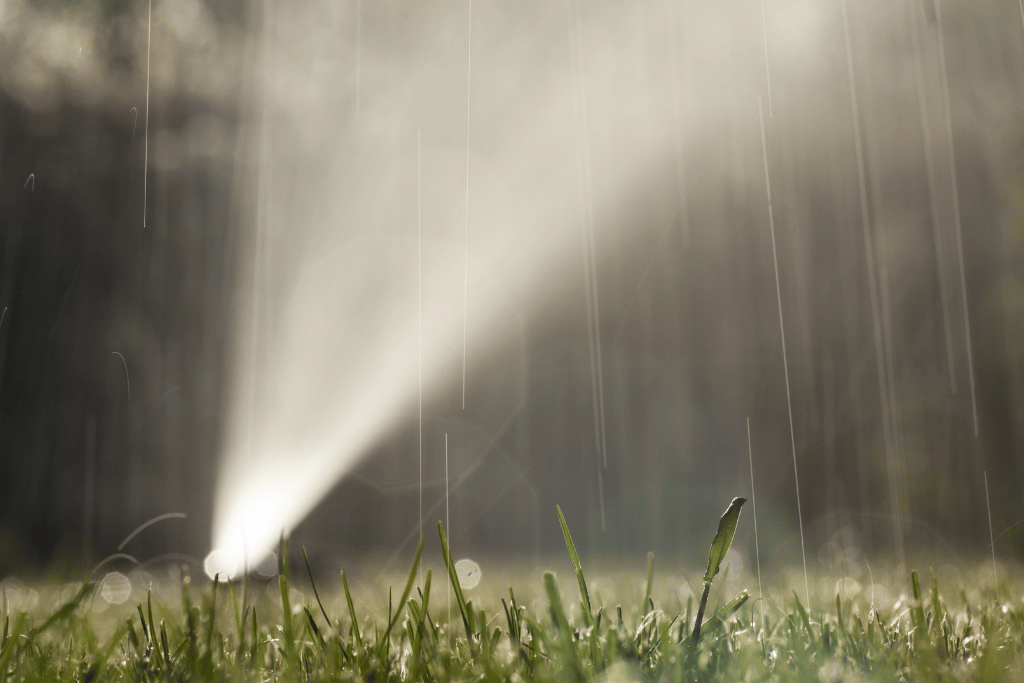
<point x="232" y="632"/>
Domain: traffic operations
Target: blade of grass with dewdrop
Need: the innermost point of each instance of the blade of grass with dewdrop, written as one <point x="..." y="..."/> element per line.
<point x="719" y="548"/>
<point x="588" y="615"/>
<point x="351" y="612"/>
<point x="152" y="622"/>
<point x="455" y="582"/>
<point x="142" y="620"/>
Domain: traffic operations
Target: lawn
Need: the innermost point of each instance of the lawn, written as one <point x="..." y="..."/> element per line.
<point x="558" y="630"/>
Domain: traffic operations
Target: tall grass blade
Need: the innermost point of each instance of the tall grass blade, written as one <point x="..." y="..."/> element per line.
<point x="648" y="582"/>
<point x="255" y="640"/>
<point x="588" y="615"/>
<point x="286" y="608"/>
<point x="351" y="612"/>
<point x="149" y="611"/>
<point x="453" y="577"/>
<point x="723" y="539"/>
<point x="313" y="584"/>
<point x="163" y="643"/>
<point x="408" y="588"/>
<point x="719" y="548"/>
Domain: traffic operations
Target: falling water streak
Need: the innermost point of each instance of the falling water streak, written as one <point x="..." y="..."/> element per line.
<point x="586" y="225"/>
<point x="64" y="303"/>
<point x="782" y="332"/>
<point x="677" y="143"/>
<point x="933" y="193"/>
<point x="419" y="307"/>
<point x="127" y="381"/>
<point x="2" y="316"/>
<point x="359" y="46"/>
<point x="753" y="503"/>
<point x="144" y="525"/>
<point x="135" y="122"/>
<point x="890" y="362"/>
<point x="448" y="530"/>
<point x="992" y="542"/>
<point x="145" y="162"/>
<point x="32" y="178"/>
<point x="263" y="206"/>
<point x="956" y="207"/>
<point x="767" y="71"/>
<point x="881" y="253"/>
<point x="872" y="287"/>
<point x="465" y="263"/>
<point x="587" y="229"/>
<point x="1021" y="3"/>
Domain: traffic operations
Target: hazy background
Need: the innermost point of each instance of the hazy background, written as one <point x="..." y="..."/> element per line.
<point x="614" y="274"/>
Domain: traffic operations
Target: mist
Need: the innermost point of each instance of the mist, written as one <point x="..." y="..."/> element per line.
<point x="366" y="266"/>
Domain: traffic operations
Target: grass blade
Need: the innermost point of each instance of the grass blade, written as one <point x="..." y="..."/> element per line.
<point x="286" y="608"/>
<point x="313" y="583"/>
<point x="648" y="583"/>
<point x="455" y="582"/>
<point x="408" y="588"/>
<point x="588" y="616"/>
<point x="723" y="539"/>
<point x="351" y="612"/>
<point x="719" y="548"/>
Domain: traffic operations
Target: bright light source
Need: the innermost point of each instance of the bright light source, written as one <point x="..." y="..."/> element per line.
<point x="221" y="562"/>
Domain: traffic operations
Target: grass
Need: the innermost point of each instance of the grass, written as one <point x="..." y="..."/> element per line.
<point x="236" y="633"/>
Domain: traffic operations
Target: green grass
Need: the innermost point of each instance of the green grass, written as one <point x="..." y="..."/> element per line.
<point x="245" y="632"/>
